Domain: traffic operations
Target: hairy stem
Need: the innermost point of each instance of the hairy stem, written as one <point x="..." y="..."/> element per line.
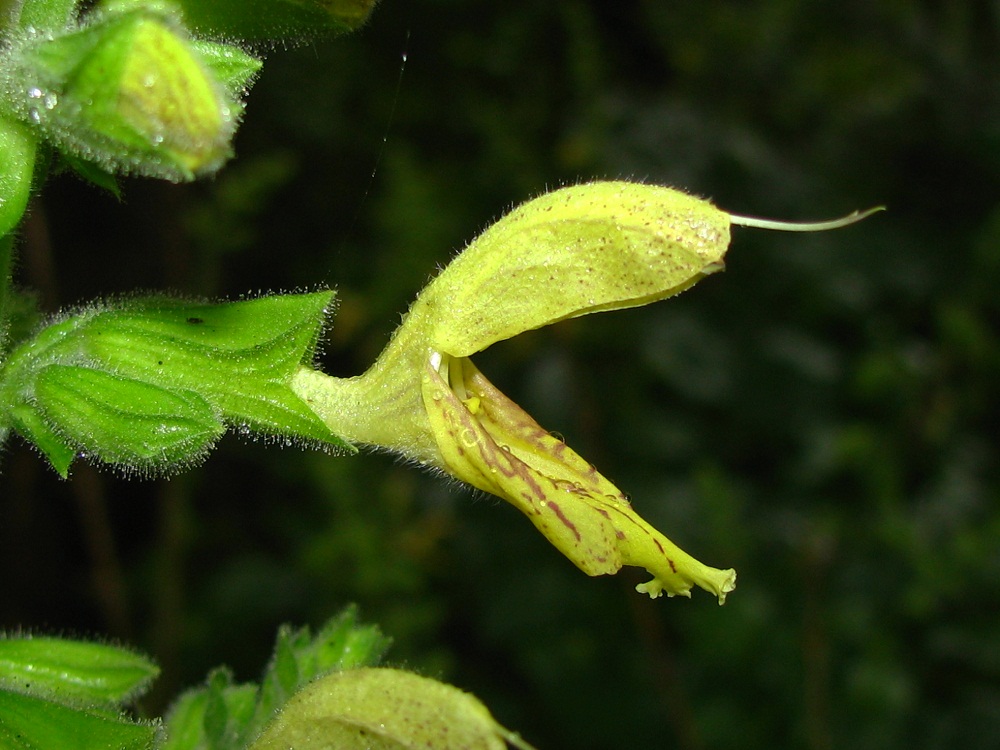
<point x="6" y="271"/>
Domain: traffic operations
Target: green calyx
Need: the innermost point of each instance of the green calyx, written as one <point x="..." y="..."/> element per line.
<point x="152" y="384"/>
<point x="59" y="693"/>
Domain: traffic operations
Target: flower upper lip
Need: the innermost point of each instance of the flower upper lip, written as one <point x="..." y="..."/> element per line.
<point x="583" y="249"/>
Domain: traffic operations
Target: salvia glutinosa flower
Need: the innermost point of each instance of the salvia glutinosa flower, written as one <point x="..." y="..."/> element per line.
<point x="578" y="250"/>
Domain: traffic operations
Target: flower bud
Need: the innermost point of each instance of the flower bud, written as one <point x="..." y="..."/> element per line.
<point x="366" y="708"/>
<point x="129" y="91"/>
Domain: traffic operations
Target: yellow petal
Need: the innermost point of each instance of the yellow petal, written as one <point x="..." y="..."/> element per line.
<point x="488" y="441"/>
<point x="571" y="252"/>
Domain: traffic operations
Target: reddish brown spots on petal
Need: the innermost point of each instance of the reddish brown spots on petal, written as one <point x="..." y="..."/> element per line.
<point x="660" y="547"/>
<point x="565" y="521"/>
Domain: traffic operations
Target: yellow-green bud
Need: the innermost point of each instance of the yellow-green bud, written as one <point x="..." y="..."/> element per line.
<point x="384" y="709"/>
<point x="128" y="91"/>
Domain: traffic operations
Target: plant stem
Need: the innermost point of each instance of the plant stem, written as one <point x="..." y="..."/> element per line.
<point x="6" y="271"/>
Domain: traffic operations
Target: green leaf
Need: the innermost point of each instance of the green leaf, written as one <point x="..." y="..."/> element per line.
<point x="341" y="644"/>
<point x="228" y="709"/>
<point x="185" y="722"/>
<point x="29" y="722"/>
<point x="225" y="716"/>
<point x="214" y="717"/>
<point x="299" y="658"/>
<point x="73" y="670"/>
<point x="277" y="20"/>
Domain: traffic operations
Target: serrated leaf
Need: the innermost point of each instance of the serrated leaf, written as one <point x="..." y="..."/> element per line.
<point x="184" y="725"/>
<point x="342" y="644"/>
<point x="214" y="717"/>
<point x="73" y="670"/>
<point x="224" y="716"/>
<point x="282" y="676"/>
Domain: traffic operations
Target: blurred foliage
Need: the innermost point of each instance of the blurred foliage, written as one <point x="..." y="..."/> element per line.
<point x="819" y="417"/>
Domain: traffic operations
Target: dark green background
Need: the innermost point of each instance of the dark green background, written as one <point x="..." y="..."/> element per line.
<point x="822" y="416"/>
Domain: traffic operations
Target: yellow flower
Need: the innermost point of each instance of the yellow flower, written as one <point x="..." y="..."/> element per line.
<point x="589" y="248"/>
<point x="491" y="443"/>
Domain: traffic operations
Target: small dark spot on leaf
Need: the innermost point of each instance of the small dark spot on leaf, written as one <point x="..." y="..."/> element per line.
<point x="195" y="321"/>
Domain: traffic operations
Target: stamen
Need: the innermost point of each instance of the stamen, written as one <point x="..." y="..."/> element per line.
<point x="456" y="377"/>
